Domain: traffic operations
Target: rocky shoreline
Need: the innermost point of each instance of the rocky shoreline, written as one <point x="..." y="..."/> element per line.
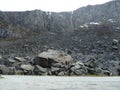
<point x="52" y="62"/>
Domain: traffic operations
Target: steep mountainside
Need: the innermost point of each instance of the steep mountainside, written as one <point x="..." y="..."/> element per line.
<point x="18" y="24"/>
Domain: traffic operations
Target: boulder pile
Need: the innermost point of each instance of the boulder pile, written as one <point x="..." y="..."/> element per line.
<point x="53" y="62"/>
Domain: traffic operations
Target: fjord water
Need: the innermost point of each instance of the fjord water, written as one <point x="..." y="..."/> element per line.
<point x="59" y="83"/>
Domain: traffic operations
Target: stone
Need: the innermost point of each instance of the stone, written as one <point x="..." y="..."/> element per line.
<point x="114" y="47"/>
<point x="90" y="61"/>
<point x="45" y="59"/>
<point x="113" y="67"/>
<point x="115" y="42"/>
<point x="11" y="60"/>
<point x="19" y="59"/>
<point x="59" y="65"/>
<point x="38" y="70"/>
<point x="61" y="73"/>
<point x="19" y="72"/>
<point x="106" y="72"/>
<point x="27" y="67"/>
<point x="78" y="68"/>
<point x="4" y="69"/>
<point x="53" y="69"/>
<point x="11" y="70"/>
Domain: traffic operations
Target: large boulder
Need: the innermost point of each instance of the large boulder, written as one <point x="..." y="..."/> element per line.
<point x="46" y="59"/>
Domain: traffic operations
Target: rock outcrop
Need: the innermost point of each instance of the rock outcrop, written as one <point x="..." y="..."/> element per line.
<point x="46" y="59"/>
<point x="25" y="23"/>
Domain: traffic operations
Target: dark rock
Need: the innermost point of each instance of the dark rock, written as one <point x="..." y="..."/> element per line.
<point x="95" y="71"/>
<point x="59" y="65"/>
<point x="106" y="72"/>
<point x="4" y="33"/>
<point x="114" y="47"/>
<point x="54" y="69"/>
<point x="90" y="61"/>
<point x="40" y="70"/>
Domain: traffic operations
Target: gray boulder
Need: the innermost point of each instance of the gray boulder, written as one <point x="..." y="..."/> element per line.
<point x="4" y="69"/>
<point x="61" y="73"/>
<point x="27" y="67"/>
<point x="114" y="67"/>
<point x="90" y="61"/>
<point x="78" y="68"/>
<point x="46" y="59"/>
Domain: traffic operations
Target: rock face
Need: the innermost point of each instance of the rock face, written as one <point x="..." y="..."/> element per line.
<point x="46" y="59"/>
<point x="20" y="23"/>
<point x="97" y="13"/>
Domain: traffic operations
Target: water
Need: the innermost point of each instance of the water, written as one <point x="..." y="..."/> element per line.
<point x="59" y="83"/>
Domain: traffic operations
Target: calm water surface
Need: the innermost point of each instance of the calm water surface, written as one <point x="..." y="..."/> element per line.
<point x="59" y="83"/>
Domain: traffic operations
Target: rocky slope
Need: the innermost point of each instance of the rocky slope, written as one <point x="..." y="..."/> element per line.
<point x="21" y="23"/>
<point x="90" y="35"/>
